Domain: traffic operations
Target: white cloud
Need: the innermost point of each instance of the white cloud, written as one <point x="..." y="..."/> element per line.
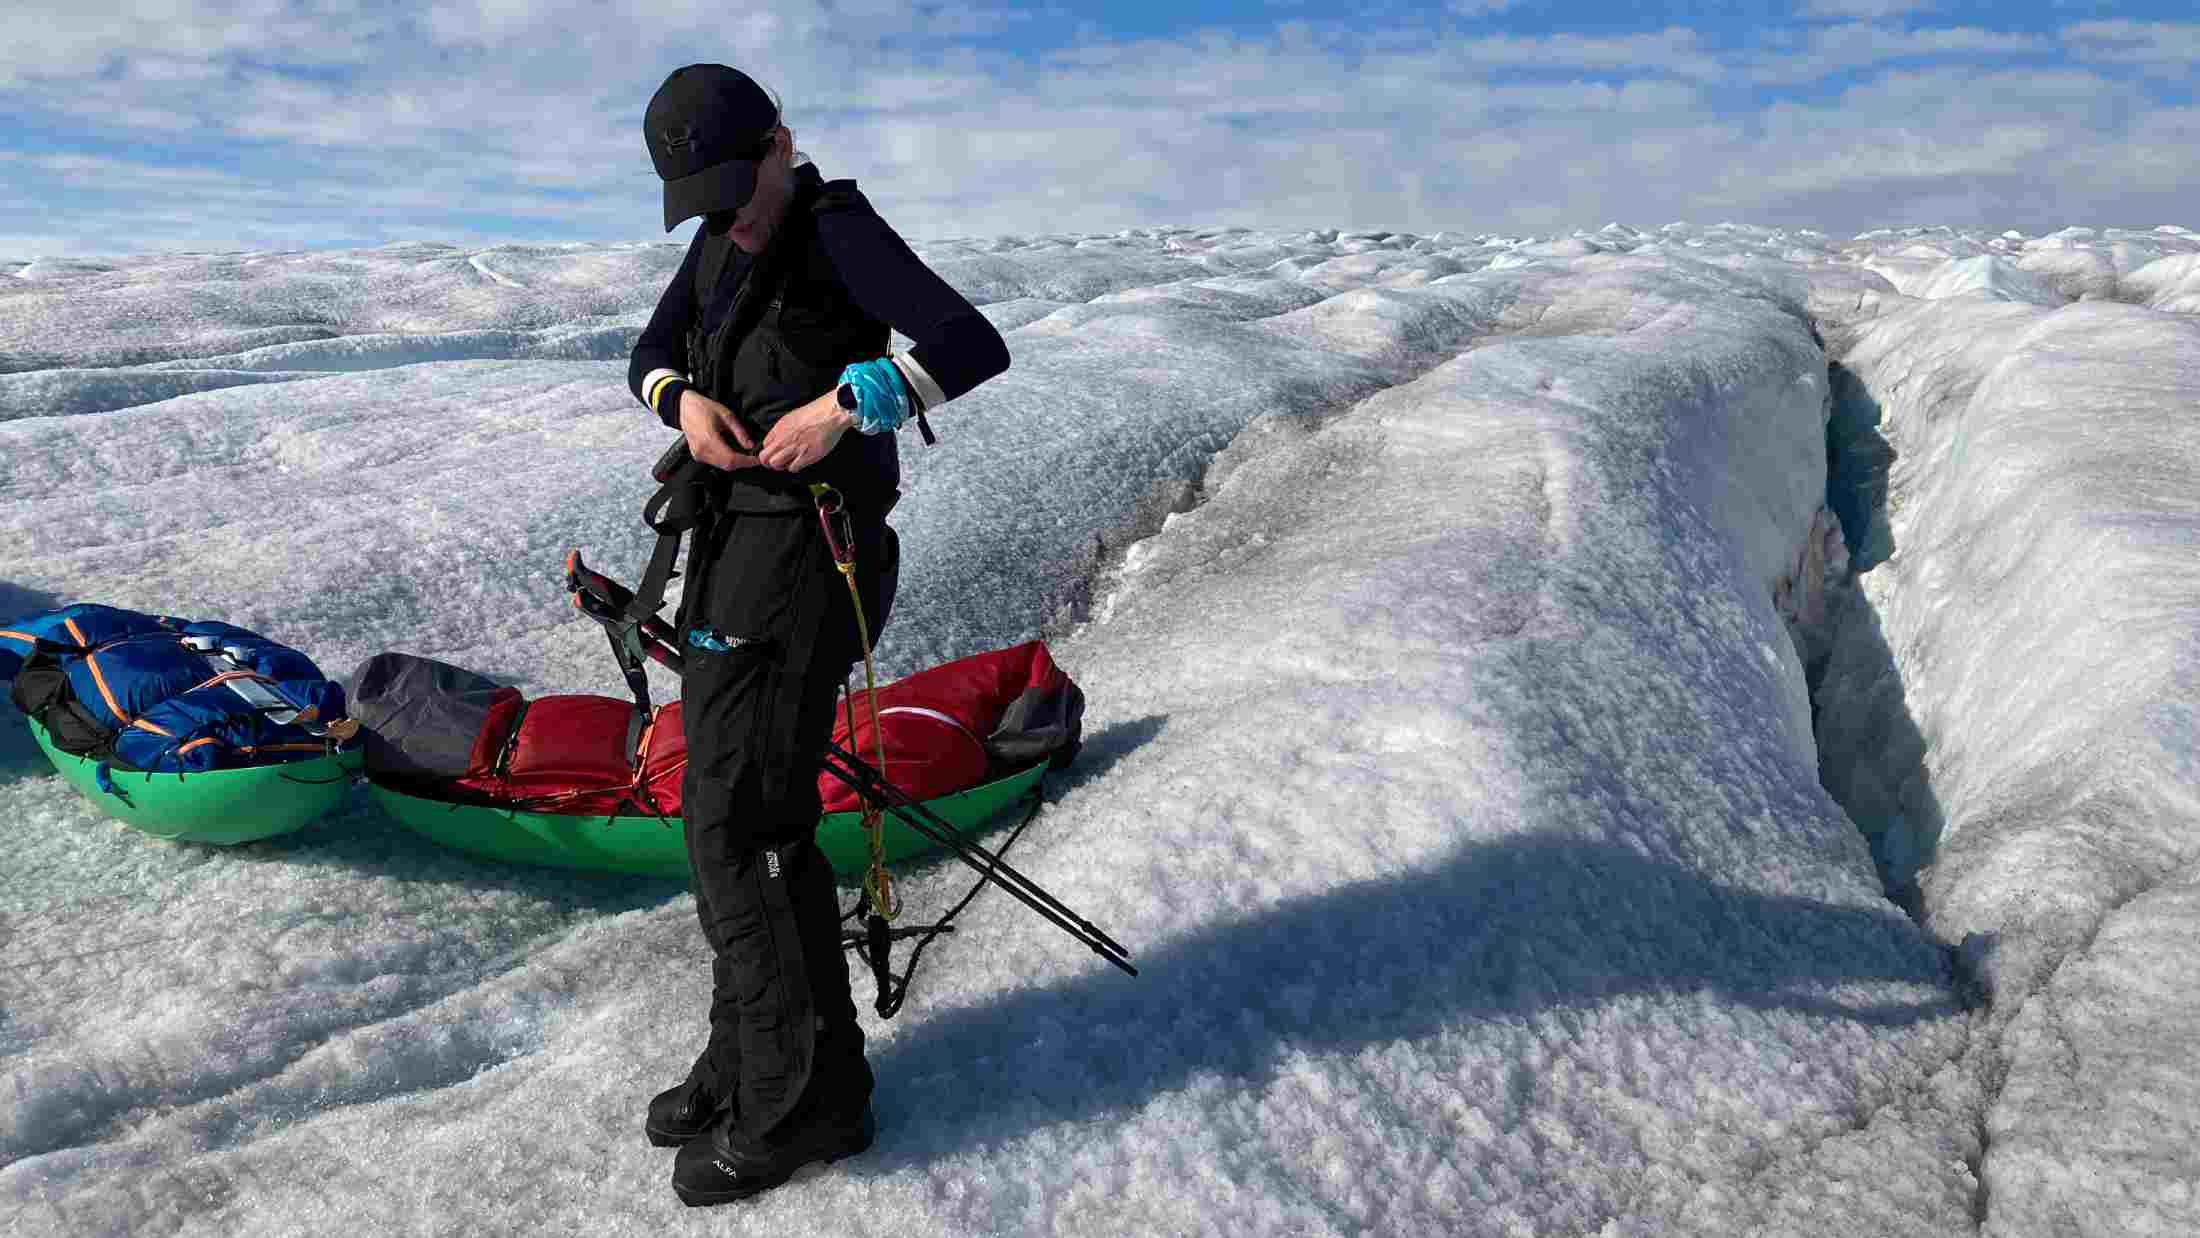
<point x="2170" y="48"/>
<point x="1822" y="53"/>
<point x="54" y="40"/>
<point x="466" y="114"/>
<point x="1869" y="10"/>
<point x="1676" y="51"/>
<point x="2022" y="148"/>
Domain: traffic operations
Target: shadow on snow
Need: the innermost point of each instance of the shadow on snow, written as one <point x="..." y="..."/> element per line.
<point x="1502" y="931"/>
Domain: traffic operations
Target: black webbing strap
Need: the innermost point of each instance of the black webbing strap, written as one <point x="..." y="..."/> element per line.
<point x="678" y="507"/>
<point x="630" y="664"/>
<point x="608" y="604"/>
<point x="717" y="248"/>
<point x="41" y="644"/>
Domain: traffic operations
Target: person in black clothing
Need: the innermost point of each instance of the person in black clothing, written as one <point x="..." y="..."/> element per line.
<point x="769" y="352"/>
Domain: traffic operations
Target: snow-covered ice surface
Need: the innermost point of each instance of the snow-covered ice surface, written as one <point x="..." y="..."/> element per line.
<point x="1447" y="608"/>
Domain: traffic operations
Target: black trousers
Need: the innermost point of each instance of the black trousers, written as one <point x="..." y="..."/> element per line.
<point x="770" y="635"/>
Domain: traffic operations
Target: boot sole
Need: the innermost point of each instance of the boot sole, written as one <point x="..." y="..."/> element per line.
<point x="757" y="1186"/>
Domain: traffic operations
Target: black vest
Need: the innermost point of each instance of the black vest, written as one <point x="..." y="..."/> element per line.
<point x="790" y="328"/>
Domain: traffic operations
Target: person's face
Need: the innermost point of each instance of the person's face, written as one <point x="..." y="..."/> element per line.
<point x="753" y="225"/>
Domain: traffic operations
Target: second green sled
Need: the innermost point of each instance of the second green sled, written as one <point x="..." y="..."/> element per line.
<point x="222" y="807"/>
<point x="655" y="847"/>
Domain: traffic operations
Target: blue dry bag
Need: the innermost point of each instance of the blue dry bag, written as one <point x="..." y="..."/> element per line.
<point x="154" y="692"/>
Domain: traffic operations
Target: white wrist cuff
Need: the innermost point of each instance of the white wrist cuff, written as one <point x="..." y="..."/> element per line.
<point x="928" y="392"/>
<point x="653" y="385"/>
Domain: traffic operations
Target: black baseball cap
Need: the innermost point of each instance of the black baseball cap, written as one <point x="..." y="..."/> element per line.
<point x="707" y="128"/>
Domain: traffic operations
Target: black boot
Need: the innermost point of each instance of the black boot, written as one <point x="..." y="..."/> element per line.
<point x="730" y="1164"/>
<point x="803" y="1091"/>
<point x="687" y="1110"/>
<point x="833" y="1120"/>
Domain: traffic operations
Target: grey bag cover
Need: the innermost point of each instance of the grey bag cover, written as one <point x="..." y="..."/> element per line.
<point x="421" y="716"/>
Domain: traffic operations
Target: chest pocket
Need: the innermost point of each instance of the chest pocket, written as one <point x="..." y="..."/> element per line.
<point x="811" y="330"/>
<point x="771" y="377"/>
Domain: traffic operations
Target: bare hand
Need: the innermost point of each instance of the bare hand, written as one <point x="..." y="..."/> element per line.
<point x="805" y="435"/>
<point x="714" y="434"/>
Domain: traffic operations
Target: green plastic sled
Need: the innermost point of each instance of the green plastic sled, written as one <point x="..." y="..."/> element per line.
<point x="219" y="806"/>
<point x="654" y="846"/>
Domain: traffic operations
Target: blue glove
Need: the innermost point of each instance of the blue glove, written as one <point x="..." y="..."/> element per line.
<point x="882" y="401"/>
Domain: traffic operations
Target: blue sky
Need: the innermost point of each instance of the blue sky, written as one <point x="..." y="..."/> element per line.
<point x="285" y="124"/>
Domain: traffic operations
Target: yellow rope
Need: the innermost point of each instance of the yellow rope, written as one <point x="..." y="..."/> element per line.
<point x="876" y="883"/>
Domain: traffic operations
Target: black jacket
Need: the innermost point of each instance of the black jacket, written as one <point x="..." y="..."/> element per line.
<point x="829" y="286"/>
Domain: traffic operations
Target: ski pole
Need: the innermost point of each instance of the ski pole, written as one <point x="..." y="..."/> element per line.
<point x="848" y="768"/>
<point x="988" y="865"/>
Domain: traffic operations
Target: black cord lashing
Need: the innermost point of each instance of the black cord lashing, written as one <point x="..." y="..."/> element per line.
<point x="876" y="938"/>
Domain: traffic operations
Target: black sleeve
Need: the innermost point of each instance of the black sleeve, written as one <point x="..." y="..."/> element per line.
<point x="952" y="341"/>
<point x="663" y="345"/>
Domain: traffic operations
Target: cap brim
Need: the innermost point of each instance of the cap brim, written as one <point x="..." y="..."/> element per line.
<point x="719" y="187"/>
